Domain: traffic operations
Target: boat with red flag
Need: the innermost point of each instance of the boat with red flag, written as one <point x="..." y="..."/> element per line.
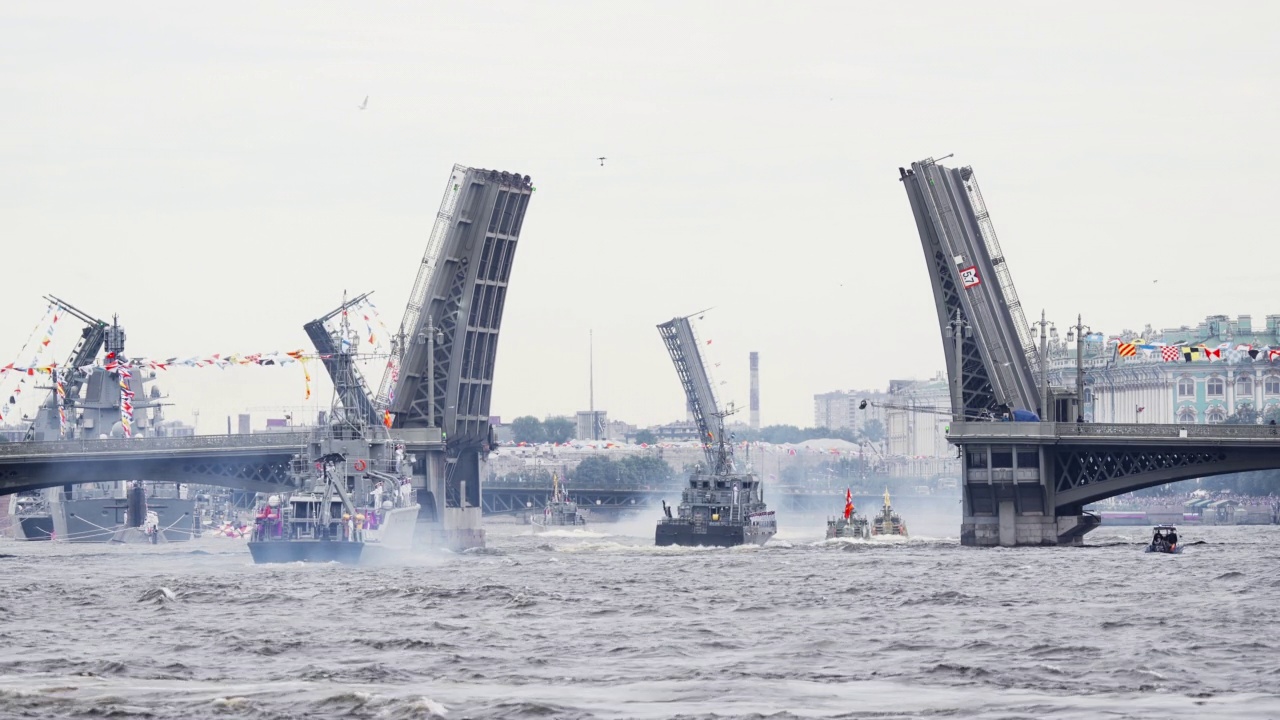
<point x="849" y="525"/>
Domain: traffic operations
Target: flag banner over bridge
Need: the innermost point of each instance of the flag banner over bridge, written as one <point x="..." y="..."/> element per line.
<point x="1197" y="353"/>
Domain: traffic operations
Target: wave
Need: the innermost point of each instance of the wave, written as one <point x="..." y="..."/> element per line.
<point x="573" y="534"/>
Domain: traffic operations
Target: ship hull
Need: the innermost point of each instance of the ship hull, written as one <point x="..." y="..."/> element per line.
<point x="683" y="534"/>
<point x="99" y="519"/>
<point x="856" y="532"/>
<point x="33" y="527"/>
<point x="288" y="551"/>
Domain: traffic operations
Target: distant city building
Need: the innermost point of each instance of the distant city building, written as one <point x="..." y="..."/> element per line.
<point x="174" y="428"/>
<point x="592" y="425"/>
<point x="839" y="409"/>
<point x="916" y="424"/>
<point x="675" y="431"/>
<point x="1144" y="388"/>
<point x="618" y="430"/>
<point x="244" y="426"/>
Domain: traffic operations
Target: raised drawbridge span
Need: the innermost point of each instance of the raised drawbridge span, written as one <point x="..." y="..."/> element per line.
<point x="1026" y="483"/>
<point x="438" y="390"/>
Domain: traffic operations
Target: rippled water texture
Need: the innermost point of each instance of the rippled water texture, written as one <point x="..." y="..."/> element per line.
<point x="601" y="624"/>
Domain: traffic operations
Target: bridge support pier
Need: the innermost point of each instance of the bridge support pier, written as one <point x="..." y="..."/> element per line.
<point x="1009" y="502"/>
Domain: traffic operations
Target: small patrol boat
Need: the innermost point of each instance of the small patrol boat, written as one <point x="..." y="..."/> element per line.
<point x="849" y="525"/>
<point x="560" y="511"/>
<point x="888" y="522"/>
<point x="1165" y="540"/>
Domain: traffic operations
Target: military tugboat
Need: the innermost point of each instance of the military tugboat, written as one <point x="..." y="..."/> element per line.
<point x="560" y="511"/>
<point x="317" y="526"/>
<point x="850" y="525"/>
<point x="888" y="522"/>
<point x="723" y="507"/>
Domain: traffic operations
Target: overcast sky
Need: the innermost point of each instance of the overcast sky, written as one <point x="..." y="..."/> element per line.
<point x="203" y="170"/>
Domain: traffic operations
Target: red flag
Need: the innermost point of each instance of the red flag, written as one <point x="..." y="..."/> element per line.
<point x="386" y="418"/>
<point x="848" y="503"/>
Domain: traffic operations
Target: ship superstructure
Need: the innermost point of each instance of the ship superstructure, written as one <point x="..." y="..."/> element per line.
<point x="357" y="492"/>
<point x="721" y="506"/>
<point x="850" y="524"/>
<point x="93" y="398"/>
<point x="888" y="522"/>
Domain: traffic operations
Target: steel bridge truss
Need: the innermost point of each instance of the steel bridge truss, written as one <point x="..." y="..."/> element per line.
<point x="450" y="343"/>
<point x="972" y="285"/>
<point x="1082" y="475"/>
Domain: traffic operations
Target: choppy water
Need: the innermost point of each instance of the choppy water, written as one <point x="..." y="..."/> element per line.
<point x="602" y="624"/>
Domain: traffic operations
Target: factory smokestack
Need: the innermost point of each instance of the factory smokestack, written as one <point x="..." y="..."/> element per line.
<point x="755" y="390"/>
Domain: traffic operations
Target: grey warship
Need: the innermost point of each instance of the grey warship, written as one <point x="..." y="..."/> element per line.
<point x="720" y="507"/>
<point x="90" y="400"/>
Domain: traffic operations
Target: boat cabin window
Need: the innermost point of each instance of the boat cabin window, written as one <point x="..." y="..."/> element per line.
<point x="978" y="458"/>
<point x="720" y="484"/>
<point x="747" y="484"/>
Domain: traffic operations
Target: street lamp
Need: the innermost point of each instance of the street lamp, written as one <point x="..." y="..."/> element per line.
<point x="1077" y="332"/>
<point x="430" y="337"/>
<point x="958" y="329"/>
<point x="1046" y="329"/>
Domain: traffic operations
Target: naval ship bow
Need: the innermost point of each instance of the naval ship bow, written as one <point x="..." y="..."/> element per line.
<point x="720" y="506"/>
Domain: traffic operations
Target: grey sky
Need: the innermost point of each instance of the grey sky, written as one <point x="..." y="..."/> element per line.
<point x="203" y="171"/>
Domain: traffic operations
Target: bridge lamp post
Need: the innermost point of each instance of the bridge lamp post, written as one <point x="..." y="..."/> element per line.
<point x="958" y="330"/>
<point x="1078" y="332"/>
<point x="430" y="337"/>
<point x="1047" y="330"/>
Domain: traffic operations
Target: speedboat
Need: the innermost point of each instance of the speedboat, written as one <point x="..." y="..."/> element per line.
<point x="1165" y="540"/>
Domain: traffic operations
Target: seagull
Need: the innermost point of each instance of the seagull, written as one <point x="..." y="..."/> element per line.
<point x="601" y="161"/>
<point x="364" y="104"/>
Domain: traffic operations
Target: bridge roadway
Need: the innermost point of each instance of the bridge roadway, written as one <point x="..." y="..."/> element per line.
<point x="258" y="462"/>
<point x="1086" y="462"/>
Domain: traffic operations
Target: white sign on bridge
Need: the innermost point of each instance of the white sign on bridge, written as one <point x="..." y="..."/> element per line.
<point x="969" y="277"/>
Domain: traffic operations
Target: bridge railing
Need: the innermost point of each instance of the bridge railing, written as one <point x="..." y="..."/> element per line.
<point x="1103" y="431"/>
<point x="150" y="444"/>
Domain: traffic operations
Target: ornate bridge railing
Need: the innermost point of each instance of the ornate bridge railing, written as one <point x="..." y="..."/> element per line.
<point x="1114" y="433"/>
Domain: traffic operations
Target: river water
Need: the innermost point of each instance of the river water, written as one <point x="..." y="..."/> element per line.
<point x="601" y="624"/>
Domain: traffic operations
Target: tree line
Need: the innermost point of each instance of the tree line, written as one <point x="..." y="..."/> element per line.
<point x="555" y="429"/>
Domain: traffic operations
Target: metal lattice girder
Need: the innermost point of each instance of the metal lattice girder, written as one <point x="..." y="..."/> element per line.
<point x="971" y="282"/>
<point x="463" y="301"/>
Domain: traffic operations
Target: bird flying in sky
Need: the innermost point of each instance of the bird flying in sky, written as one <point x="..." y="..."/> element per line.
<point x="365" y="103"/>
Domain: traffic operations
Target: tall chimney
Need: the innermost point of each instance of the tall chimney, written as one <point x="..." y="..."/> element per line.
<point x="755" y="390"/>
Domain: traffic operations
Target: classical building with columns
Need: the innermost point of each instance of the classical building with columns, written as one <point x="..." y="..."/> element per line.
<point x="1144" y="388"/>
